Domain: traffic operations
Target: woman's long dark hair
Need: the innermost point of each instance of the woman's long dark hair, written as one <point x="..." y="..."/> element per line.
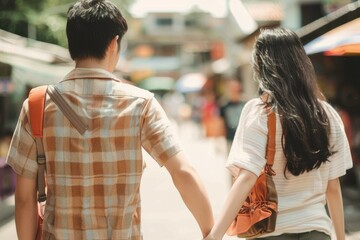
<point x="285" y="72"/>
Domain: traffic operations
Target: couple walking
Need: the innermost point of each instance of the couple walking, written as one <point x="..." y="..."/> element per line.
<point x="93" y="179"/>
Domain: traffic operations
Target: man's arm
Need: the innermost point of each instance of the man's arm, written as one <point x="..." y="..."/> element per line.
<point x="191" y="190"/>
<point x="25" y="208"/>
<point x="335" y="206"/>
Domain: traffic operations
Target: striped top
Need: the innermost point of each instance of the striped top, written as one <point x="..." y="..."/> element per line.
<point x="93" y="180"/>
<point x="301" y="198"/>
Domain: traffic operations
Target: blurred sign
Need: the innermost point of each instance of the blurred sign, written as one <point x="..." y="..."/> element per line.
<point x="191" y="82"/>
<point x="217" y="50"/>
<point x="144" y="50"/>
<point x="158" y="83"/>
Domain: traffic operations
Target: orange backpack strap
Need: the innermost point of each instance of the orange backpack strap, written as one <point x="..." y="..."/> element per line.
<point x="37" y="97"/>
<point x="36" y="110"/>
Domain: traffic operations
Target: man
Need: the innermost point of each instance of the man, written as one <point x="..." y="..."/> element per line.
<point x="93" y="179"/>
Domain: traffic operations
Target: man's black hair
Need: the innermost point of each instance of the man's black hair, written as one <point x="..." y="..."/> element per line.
<point x="91" y="25"/>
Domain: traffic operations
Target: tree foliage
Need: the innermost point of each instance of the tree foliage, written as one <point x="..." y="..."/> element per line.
<point x="44" y="20"/>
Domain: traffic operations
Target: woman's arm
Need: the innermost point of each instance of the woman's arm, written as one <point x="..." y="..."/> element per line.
<point x="235" y="199"/>
<point x="335" y="206"/>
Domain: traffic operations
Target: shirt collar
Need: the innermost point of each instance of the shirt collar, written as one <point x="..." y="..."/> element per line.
<point x="89" y="73"/>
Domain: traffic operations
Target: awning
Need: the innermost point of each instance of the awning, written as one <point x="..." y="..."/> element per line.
<point x="347" y="50"/>
<point x="329" y="22"/>
<point x="12" y="44"/>
<point x="342" y="40"/>
<point x="34" y="73"/>
<point x="33" y="62"/>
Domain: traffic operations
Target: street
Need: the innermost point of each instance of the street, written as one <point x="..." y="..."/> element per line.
<point x="164" y="215"/>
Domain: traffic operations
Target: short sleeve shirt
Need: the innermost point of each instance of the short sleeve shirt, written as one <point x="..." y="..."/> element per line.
<point x="93" y="180"/>
<point x="301" y="199"/>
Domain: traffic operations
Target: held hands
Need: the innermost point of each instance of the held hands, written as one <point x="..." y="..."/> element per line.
<point x="211" y="237"/>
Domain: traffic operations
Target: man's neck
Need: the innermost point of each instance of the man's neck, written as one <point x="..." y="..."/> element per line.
<point x="92" y="63"/>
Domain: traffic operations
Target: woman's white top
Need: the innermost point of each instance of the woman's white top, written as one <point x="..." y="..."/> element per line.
<point x="301" y="199"/>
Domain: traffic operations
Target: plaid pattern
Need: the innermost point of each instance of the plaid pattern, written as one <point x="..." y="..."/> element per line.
<point x="93" y="179"/>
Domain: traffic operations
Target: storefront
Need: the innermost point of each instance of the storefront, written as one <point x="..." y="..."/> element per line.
<point x="333" y="45"/>
<point x="24" y="64"/>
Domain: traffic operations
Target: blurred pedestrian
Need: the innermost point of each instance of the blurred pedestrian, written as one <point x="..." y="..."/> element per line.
<point x="312" y="150"/>
<point x="93" y="179"/>
<point x="231" y="110"/>
<point x="210" y="116"/>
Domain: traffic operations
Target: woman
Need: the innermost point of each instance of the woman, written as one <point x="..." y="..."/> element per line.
<point x="312" y="151"/>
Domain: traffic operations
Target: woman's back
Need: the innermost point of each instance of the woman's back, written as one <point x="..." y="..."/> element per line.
<point x="301" y="198"/>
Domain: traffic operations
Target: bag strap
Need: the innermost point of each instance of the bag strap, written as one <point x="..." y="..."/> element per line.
<point x="37" y="97"/>
<point x="270" y="150"/>
<point x="69" y="113"/>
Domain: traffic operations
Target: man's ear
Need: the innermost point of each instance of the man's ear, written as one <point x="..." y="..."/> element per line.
<point x="113" y="46"/>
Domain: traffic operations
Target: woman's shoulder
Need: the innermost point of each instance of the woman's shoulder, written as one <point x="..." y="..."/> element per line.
<point x="331" y="112"/>
<point x="254" y="113"/>
<point x="336" y="124"/>
<point x="254" y="104"/>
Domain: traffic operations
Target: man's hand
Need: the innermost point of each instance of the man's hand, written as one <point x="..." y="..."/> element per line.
<point x="210" y="237"/>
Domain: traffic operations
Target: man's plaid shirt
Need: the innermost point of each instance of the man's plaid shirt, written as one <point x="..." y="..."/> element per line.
<point x="93" y="180"/>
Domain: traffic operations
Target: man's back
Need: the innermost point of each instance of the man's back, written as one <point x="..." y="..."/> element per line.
<point x="93" y="179"/>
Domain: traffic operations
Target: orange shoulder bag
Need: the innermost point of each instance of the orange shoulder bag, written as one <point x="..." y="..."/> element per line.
<point x="258" y="214"/>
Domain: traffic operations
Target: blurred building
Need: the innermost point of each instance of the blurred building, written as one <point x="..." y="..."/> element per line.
<point x="263" y="14"/>
<point x="174" y="43"/>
